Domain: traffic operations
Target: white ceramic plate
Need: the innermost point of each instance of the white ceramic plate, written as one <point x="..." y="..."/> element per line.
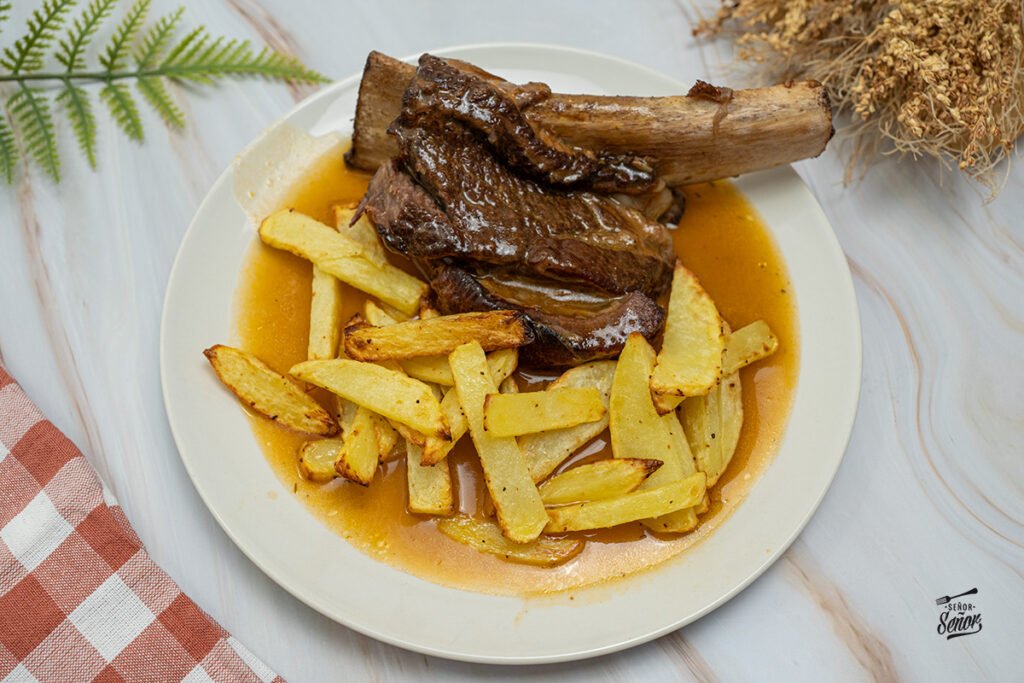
<point x="323" y="571"/>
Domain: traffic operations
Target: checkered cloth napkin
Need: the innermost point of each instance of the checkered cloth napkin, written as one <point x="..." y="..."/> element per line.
<point x="80" y="600"/>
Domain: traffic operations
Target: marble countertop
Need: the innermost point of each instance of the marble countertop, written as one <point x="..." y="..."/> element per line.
<point x="929" y="500"/>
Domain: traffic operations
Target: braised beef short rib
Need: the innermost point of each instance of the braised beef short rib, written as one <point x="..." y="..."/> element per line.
<point x="493" y="211"/>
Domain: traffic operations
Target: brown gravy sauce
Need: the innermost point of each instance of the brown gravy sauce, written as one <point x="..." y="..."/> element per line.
<point x="720" y="238"/>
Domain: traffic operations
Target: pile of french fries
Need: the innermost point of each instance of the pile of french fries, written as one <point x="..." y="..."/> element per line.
<point x="409" y="383"/>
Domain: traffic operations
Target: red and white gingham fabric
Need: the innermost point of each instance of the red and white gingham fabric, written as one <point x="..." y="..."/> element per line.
<point x="80" y="600"/>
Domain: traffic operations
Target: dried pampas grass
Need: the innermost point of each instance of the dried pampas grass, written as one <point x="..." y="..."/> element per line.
<point x="943" y="78"/>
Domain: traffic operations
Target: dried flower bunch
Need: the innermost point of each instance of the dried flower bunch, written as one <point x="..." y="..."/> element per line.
<point x="926" y="77"/>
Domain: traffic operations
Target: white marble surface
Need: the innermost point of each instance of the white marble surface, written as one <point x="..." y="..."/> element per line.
<point x="929" y="500"/>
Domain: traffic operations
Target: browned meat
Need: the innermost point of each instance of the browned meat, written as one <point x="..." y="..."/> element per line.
<point x="458" y="91"/>
<point x="497" y="218"/>
<point x="565" y="333"/>
<point x="490" y="209"/>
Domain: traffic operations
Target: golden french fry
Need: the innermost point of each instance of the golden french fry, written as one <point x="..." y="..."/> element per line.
<point x="704" y="506"/>
<point x="730" y="411"/>
<point x="433" y="369"/>
<point x="317" y="458"/>
<point x="430" y="486"/>
<point x="713" y="425"/>
<point x="382" y="390"/>
<point x="486" y="537"/>
<point x="427" y="311"/>
<point x="637" y="431"/>
<point x="357" y="460"/>
<point x="547" y="450"/>
<point x="324" y="316"/>
<point x="377" y="316"/>
<point x="644" y="504"/>
<point x="438" y="336"/>
<point x="343" y="258"/>
<point x="690" y="360"/>
<point x="508" y="386"/>
<point x="501" y="364"/>
<point x="683" y="520"/>
<point x="307" y="237"/>
<point x="386" y="437"/>
<point x="362" y="231"/>
<point x="269" y="393"/>
<point x="665" y="403"/>
<point x="541" y="411"/>
<point x="597" y="480"/>
<point x="520" y="510"/>
<point x="747" y="345"/>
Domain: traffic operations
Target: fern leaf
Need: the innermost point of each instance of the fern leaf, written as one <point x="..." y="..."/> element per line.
<point x="155" y="41"/>
<point x="155" y="92"/>
<point x="185" y="44"/>
<point x="204" y="60"/>
<point x="81" y="32"/>
<point x="31" y="111"/>
<point x="119" y="49"/>
<point x="8" y="150"/>
<point x="5" y="13"/>
<point x="26" y="55"/>
<point x="79" y="108"/>
<point x="122" y="107"/>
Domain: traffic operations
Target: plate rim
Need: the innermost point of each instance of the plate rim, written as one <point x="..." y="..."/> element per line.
<point x="851" y="400"/>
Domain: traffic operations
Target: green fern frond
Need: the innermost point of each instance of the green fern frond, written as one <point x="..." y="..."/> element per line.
<point x="79" y="108"/>
<point x="81" y="32"/>
<point x="155" y="42"/>
<point x="122" y="107"/>
<point x="31" y="111"/>
<point x="119" y="49"/>
<point x="155" y="92"/>
<point x="28" y="131"/>
<point x="5" y="11"/>
<point x="27" y="53"/>
<point x="205" y="60"/>
<point x="8" y="150"/>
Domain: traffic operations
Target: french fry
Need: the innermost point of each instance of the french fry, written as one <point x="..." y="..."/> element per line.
<point x="690" y="360"/>
<point x="439" y="336"/>
<point x="384" y="391"/>
<point x="516" y="500"/>
<point x="357" y="460"/>
<point x="433" y="369"/>
<point x="501" y="365"/>
<point x="730" y="411"/>
<point x="547" y="450"/>
<point x="430" y="487"/>
<point x="269" y="393"/>
<point x="637" y="431"/>
<point x="683" y="520"/>
<point x="649" y="503"/>
<point x="704" y="506"/>
<point x="324" y="316"/>
<point x="486" y="537"/>
<point x="386" y="437"/>
<point x="541" y="411"/>
<point x="712" y="424"/>
<point x="508" y="386"/>
<point x="343" y="258"/>
<point x="317" y="458"/>
<point x="409" y="434"/>
<point x="747" y="345"/>
<point x="597" y="480"/>
<point x="362" y="231"/>
<point x="307" y="237"/>
<point x="377" y="316"/>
